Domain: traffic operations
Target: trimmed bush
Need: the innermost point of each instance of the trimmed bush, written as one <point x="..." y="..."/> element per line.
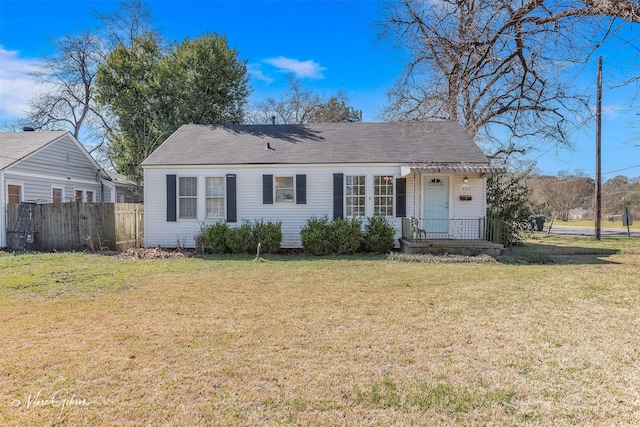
<point x="239" y="239"/>
<point x="269" y="235"/>
<point x="317" y="237"/>
<point x="379" y="235"/>
<point x="212" y="238"/>
<point x="346" y="235"/>
<point x="219" y="238"/>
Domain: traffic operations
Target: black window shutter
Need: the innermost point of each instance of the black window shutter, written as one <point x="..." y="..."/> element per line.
<point x="232" y="210"/>
<point x="401" y="197"/>
<point x="267" y="189"/>
<point x="301" y="189"/>
<point x="338" y="195"/>
<point x="171" y="198"/>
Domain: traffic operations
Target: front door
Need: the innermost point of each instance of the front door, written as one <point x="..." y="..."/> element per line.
<point x="436" y="204"/>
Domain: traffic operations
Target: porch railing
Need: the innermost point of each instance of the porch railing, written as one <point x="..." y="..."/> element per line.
<point x="492" y="230"/>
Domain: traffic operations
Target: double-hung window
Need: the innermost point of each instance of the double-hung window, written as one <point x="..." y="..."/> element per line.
<point x="56" y="195"/>
<point x="284" y="189"/>
<point x="14" y="194"/>
<point x="383" y="195"/>
<point x="355" y="196"/>
<point x="215" y="197"/>
<point x="188" y="197"/>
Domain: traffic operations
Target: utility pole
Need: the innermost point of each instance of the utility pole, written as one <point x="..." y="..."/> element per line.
<point x="598" y="151"/>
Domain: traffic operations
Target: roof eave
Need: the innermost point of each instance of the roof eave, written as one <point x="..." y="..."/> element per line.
<point x="484" y="169"/>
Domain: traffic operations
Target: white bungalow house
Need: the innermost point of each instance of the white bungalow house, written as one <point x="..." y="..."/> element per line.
<point x="47" y="167"/>
<point x="431" y="171"/>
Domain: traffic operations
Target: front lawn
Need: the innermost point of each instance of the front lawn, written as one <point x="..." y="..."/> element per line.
<point x="603" y="224"/>
<point x="293" y="340"/>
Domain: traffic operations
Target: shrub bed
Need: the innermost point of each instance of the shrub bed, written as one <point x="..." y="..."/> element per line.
<point x="220" y="238"/>
<point x="345" y="236"/>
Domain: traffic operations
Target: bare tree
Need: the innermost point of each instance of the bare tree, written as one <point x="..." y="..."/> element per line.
<point x="498" y="65"/>
<point x="299" y="105"/>
<point x="67" y="99"/>
<point x="67" y="80"/>
<point x="560" y="194"/>
<point x="619" y="192"/>
<point x="129" y="20"/>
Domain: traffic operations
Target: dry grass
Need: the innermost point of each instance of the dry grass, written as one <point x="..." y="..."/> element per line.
<point x="91" y="340"/>
<point x="604" y="224"/>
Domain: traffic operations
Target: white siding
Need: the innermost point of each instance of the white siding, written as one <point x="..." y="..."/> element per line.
<point x="467" y="209"/>
<point x="249" y="199"/>
<point x="61" y="164"/>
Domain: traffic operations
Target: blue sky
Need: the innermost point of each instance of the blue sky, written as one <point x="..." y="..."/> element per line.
<point x="330" y="45"/>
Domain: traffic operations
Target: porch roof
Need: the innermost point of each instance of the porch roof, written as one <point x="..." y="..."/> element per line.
<point x="451" y="168"/>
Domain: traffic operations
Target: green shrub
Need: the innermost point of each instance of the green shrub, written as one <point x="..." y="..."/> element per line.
<point x="317" y="237"/>
<point x="269" y="235"/>
<point x="212" y="238"/>
<point x="507" y="197"/>
<point x="379" y="235"/>
<point x="346" y="235"/>
<point x="239" y="239"/>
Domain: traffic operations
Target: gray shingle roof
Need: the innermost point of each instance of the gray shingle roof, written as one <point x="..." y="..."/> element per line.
<point x="15" y="146"/>
<point x="433" y="142"/>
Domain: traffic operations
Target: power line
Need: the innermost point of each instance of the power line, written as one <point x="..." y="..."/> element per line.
<point x="623" y="169"/>
<point x="354" y="10"/>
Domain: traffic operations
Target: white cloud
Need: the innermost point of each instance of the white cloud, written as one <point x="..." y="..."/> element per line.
<point x="256" y="72"/>
<point x="301" y="69"/>
<point x="611" y="111"/>
<point x="16" y="85"/>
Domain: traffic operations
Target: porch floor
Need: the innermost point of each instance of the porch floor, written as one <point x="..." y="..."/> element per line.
<point x="451" y="246"/>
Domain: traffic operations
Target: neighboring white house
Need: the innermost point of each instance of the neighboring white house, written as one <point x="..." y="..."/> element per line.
<point x="47" y="167"/>
<point x="203" y="174"/>
<point x="126" y="191"/>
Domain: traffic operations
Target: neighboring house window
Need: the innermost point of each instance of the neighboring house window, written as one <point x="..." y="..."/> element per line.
<point x="215" y="197"/>
<point x="14" y="194"/>
<point x="383" y="195"/>
<point x="284" y="189"/>
<point x="188" y="197"/>
<point x="56" y="195"/>
<point x="355" y="196"/>
<point x="83" y="196"/>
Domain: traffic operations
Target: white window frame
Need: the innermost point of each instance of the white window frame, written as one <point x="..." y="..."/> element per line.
<point x="181" y="197"/>
<point x="83" y="192"/>
<point x="217" y="197"/>
<point x="281" y="193"/>
<point x="387" y="182"/>
<point x="14" y="184"/>
<point x="53" y="188"/>
<point x="360" y="196"/>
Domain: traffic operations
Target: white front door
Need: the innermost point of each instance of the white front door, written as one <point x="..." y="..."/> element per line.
<point x="436" y="204"/>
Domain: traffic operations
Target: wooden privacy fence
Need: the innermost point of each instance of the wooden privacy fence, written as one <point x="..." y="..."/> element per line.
<point x="129" y="220"/>
<point x="75" y="226"/>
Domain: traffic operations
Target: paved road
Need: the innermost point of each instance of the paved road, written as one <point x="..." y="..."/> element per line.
<point x="590" y="231"/>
